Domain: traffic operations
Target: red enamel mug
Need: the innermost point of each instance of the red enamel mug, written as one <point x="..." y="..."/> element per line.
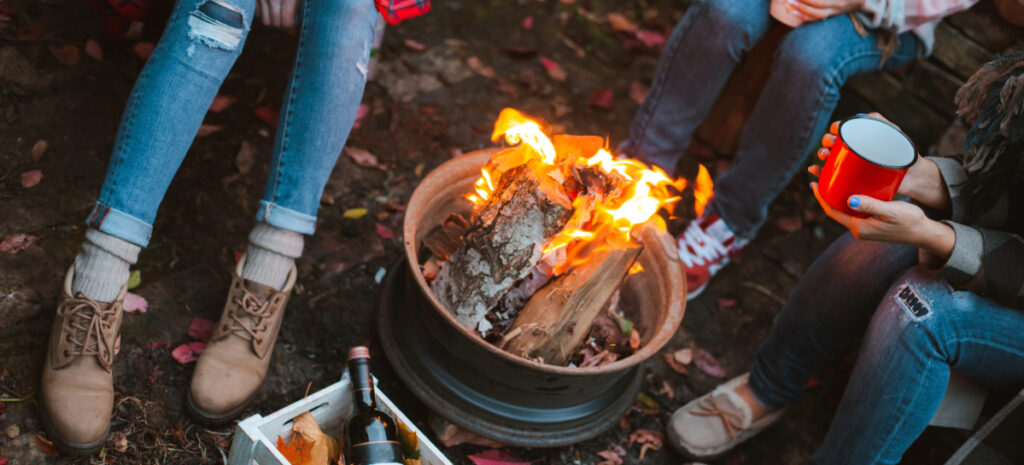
<point x="869" y="157"/>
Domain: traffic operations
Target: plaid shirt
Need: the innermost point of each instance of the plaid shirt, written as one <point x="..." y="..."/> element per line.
<point x="395" y="11"/>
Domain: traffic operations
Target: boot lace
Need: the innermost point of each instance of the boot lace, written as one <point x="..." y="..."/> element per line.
<point x="249" y="323"/>
<point x="91" y="326"/>
<point x="697" y="247"/>
<point x="709" y="407"/>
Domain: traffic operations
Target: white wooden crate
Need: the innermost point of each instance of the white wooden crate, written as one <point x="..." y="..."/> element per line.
<point x="255" y="440"/>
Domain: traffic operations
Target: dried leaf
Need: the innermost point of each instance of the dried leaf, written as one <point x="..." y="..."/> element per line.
<point x="297" y="451"/>
<point x="134" y="303"/>
<point x="68" y="54"/>
<point x="134" y="279"/>
<point x="611" y="456"/>
<point x="246" y="157"/>
<point x="384" y="232"/>
<point x="207" y="129"/>
<point x="683" y="356"/>
<point x="527" y="23"/>
<point x="16" y="243"/>
<point x="120" y="443"/>
<point x="674" y="365"/>
<point x="497" y="457"/>
<point x="93" y="49"/>
<point x="666" y="390"/>
<point x="143" y="49"/>
<point x="410" y="443"/>
<point x="602" y="98"/>
<point x="46" y="445"/>
<point x="221" y="103"/>
<point x="413" y="45"/>
<point x="419" y="171"/>
<point x="638" y="92"/>
<point x="620" y="23"/>
<point x="267" y="115"/>
<point x="634" y="339"/>
<point x="361" y="113"/>
<point x="188" y="353"/>
<point x="354" y="213"/>
<point x="324" y="449"/>
<point x="38" y="149"/>
<point x="650" y="38"/>
<point x="201" y="329"/>
<point x="30" y="178"/>
<point x="708" y="363"/>
<point x="480" y="68"/>
<point x="553" y="69"/>
<point x="362" y="157"/>
<point x="646" y="436"/>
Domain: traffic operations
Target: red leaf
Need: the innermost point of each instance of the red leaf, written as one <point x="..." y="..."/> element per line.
<point x="17" y="243"/>
<point x="726" y="303"/>
<point x="158" y="345"/>
<point x="222" y="102"/>
<point x="135" y="303"/>
<point x="650" y="38"/>
<point x="646" y="436"/>
<point x="31" y="178"/>
<point x="527" y="23"/>
<point x="413" y="45"/>
<point x="554" y="70"/>
<point x="384" y="232"/>
<point x="201" y="329"/>
<point x="188" y="353"/>
<point x="361" y="113"/>
<point x="497" y="457"/>
<point x="602" y="98"/>
<point x="46" y="445"/>
<point x="143" y="49"/>
<point x="638" y="92"/>
<point x="362" y="157"/>
<point x="68" y="54"/>
<point x="267" y="115"/>
<point x="708" y="363"/>
<point x="93" y="49"/>
<point x="612" y="456"/>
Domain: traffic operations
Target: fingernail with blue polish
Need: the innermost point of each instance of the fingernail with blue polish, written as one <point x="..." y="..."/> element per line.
<point x="862" y="114"/>
<point x="854" y="202"/>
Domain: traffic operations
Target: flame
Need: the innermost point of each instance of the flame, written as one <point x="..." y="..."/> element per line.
<point x="636" y="268"/>
<point x="599" y="220"/>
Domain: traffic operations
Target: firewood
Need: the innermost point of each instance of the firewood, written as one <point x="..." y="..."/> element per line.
<point x="558" y="317"/>
<point x="446" y="238"/>
<point x="502" y="245"/>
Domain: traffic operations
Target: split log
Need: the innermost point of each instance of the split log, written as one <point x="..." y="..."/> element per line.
<point x="558" y="317"/>
<point x="502" y="245"/>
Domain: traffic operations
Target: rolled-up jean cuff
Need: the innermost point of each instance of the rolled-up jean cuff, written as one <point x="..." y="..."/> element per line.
<point x="119" y="224"/>
<point x="285" y="218"/>
<point x="763" y="391"/>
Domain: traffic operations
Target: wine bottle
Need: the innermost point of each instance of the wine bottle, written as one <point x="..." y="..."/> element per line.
<point x="371" y="437"/>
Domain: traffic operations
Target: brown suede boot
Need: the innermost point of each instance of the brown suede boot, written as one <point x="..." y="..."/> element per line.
<point x="234" y="363"/>
<point x="78" y="388"/>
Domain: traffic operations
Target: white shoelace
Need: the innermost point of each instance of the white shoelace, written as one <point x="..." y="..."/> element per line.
<point x="696" y="247"/>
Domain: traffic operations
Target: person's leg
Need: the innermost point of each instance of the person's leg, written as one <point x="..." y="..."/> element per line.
<point x="164" y="111"/>
<point x="700" y="55"/>
<point x="320" y="106"/>
<point x="922" y="328"/>
<point x="811" y="65"/>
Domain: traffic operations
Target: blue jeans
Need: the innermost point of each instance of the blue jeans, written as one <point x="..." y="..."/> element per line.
<point x="915" y="328"/>
<point x="172" y="94"/>
<point x="810" y="66"/>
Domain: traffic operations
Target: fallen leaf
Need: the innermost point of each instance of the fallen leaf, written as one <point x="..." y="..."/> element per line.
<point x="708" y="363"/>
<point x="188" y="352"/>
<point x="413" y="45"/>
<point x="324" y="449"/>
<point x="634" y="339"/>
<point x="267" y="115"/>
<point x="207" y="129"/>
<point x="134" y="303"/>
<point x="602" y="98"/>
<point x="134" y="31"/>
<point x="298" y="451"/>
<point x="143" y="49"/>
<point x="620" y="23"/>
<point x="496" y="457"/>
<point x="674" y="365"/>
<point x="638" y="92"/>
<point x="646" y="436"/>
<point x="362" y="157"/>
<point x="611" y="457"/>
<point x="120" y="443"/>
<point x="16" y="243"/>
<point x="725" y="303"/>
<point x="527" y="23"/>
<point x="46" y="445"/>
<point x="30" y="178"/>
<point x="419" y="170"/>
<point x="12" y="431"/>
<point x="650" y="38"/>
<point x="649" y="405"/>
<point x="222" y="102"/>
<point x="384" y="232"/>
<point x="361" y="113"/>
<point x="201" y="329"/>
<point x="553" y="69"/>
<point x="38" y="149"/>
<point x="93" y="49"/>
<point x="410" y="443"/>
<point x="666" y="390"/>
<point x="683" y="356"/>
<point x="246" y="157"/>
<point x="625" y="325"/>
<point x="790" y="223"/>
<point x="480" y="68"/>
<point x="354" y="213"/>
<point x="68" y="54"/>
<point x="134" y="279"/>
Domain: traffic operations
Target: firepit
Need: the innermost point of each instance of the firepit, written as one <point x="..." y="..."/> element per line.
<point x="484" y="389"/>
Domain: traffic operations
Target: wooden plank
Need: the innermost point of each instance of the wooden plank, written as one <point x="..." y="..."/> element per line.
<point x="983" y="25"/>
<point x="958" y="53"/>
<point x="920" y="121"/>
<point x="934" y="86"/>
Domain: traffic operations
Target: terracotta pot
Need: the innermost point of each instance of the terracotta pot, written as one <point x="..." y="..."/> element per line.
<point x="494" y="393"/>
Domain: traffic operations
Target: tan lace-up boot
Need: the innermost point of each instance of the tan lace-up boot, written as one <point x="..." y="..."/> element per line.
<point x="77" y="387"/>
<point x="233" y="365"/>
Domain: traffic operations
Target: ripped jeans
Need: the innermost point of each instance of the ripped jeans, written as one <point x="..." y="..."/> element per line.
<point x="915" y="328"/>
<point x="182" y="76"/>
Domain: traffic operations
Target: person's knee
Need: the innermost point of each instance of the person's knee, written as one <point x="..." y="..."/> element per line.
<point x="219" y="24"/>
<point x="809" y="56"/>
<point x="911" y="315"/>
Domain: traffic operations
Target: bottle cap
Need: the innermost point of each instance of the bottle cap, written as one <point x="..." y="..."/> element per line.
<point x="358" y="352"/>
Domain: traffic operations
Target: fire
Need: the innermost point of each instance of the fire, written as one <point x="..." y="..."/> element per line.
<point x="599" y="220"/>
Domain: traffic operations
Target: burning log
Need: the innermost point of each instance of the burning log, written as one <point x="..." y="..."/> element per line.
<point x="503" y="243"/>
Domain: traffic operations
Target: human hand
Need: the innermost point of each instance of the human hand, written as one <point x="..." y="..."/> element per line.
<point x="817" y="10"/>
<point x="277" y="13"/>
<point x="899" y="222"/>
<point x="922" y="183"/>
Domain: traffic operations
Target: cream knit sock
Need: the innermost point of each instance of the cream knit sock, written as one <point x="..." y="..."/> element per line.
<point x="101" y="268"/>
<point x="272" y="253"/>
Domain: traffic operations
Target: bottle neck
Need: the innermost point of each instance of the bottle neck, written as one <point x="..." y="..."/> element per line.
<point x="362" y="384"/>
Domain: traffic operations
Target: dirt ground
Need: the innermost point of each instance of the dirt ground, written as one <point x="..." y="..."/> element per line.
<point x="425" y="106"/>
